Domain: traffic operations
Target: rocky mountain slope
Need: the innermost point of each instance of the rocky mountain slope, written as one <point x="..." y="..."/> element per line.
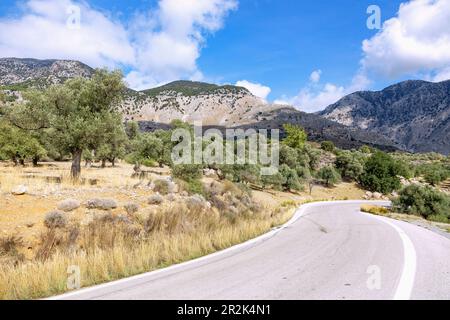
<point x="414" y="114"/>
<point x="22" y="73"/>
<point x="213" y="105"/>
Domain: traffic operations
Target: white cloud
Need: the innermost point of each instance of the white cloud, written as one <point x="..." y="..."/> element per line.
<point x="41" y="32"/>
<point x="256" y="89"/>
<point x="158" y="46"/>
<point x="417" y="40"/>
<point x="315" y="97"/>
<point x="315" y="76"/>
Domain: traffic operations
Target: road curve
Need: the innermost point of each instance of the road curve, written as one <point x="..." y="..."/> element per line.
<point x="327" y="251"/>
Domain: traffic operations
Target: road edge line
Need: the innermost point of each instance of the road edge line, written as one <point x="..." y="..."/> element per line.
<point x="407" y="279"/>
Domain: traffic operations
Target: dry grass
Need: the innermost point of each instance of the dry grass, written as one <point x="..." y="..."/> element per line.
<point x="376" y="210"/>
<point x="111" y="255"/>
<point x="119" y="244"/>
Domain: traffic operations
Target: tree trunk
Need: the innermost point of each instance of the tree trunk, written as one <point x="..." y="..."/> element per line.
<point x="75" y="171"/>
<point x="103" y="163"/>
<point x="35" y="161"/>
<point x="113" y="162"/>
<point x="22" y="162"/>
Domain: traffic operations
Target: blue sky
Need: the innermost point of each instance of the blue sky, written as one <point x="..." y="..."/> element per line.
<point x="271" y="45"/>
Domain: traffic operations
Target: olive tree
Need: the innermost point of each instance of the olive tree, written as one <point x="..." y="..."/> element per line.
<point x="74" y="113"/>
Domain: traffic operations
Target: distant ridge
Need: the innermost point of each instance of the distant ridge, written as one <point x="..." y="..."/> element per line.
<point x="415" y="114"/>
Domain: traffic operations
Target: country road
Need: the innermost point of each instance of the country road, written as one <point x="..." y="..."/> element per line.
<point x="328" y="251"/>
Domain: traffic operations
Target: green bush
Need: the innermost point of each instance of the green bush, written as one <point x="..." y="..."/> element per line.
<point x="290" y="178"/>
<point x="381" y="173"/>
<point x="349" y="166"/>
<point x="424" y="201"/>
<point x="187" y="172"/>
<point x="328" y="146"/>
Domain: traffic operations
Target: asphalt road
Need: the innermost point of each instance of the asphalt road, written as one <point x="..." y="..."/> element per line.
<point x="328" y="251"/>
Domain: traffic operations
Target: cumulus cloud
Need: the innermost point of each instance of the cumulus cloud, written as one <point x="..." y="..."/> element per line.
<point x="417" y="40"/>
<point x="315" y="76"/>
<point x="42" y="31"/>
<point x="315" y="96"/>
<point x="256" y="89"/>
<point x="158" y="46"/>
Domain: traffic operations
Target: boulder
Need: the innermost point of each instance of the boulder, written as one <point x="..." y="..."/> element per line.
<point x="377" y="196"/>
<point x="19" y="190"/>
<point x="68" y="205"/>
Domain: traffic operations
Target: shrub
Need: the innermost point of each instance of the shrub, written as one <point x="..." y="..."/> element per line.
<point x="424" y="201"/>
<point x="155" y="199"/>
<point x="55" y="220"/>
<point x="187" y="172"/>
<point x="161" y="186"/>
<point x="381" y="173"/>
<point x="328" y="146"/>
<point x="329" y="175"/>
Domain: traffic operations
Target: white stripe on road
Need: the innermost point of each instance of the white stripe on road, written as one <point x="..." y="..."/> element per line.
<point x="406" y="283"/>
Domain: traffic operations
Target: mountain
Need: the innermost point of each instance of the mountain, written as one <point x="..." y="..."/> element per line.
<point x="215" y="106"/>
<point x="21" y="73"/>
<point x="414" y="114"/>
<point x="194" y="101"/>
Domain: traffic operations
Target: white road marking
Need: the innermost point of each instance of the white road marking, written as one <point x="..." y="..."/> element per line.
<point x="406" y="283"/>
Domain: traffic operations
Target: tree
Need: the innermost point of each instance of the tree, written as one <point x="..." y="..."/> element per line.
<point x="329" y="175"/>
<point x="349" y="167"/>
<point x="115" y="141"/>
<point x="381" y="173"/>
<point x="73" y="113"/>
<point x="132" y="129"/>
<point x="148" y="147"/>
<point x="18" y="145"/>
<point x="288" y="156"/>
<point x="296" y="136"/>
<point x="327" y="146"/>
<point x="291" y="180"/>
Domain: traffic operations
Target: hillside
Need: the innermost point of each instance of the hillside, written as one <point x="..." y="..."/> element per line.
<point x="217" y="106"/>
<point x="22" y="73"/>
<point x="415" y="114"/>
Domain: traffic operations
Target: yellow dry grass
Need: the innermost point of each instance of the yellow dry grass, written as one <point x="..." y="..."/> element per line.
<point x="376" y="210"/>
<point x="39" y="279"/>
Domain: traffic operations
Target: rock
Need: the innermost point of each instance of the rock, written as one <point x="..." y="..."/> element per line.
<point x="19" y="190"/>
<point x="55" y="220"/>
<point x="171" y="197"/>
<point x="210" y="173"/>
<point x="369" y="195"/>
<point x="131" y="208"/>
<point x="155" y="199"/>
<point x="102" y="204"/>
<point x="68" y="205"/>
<point x="377" y="196"/>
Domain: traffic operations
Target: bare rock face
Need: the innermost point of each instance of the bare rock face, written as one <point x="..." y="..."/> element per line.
<point x="414" y="114"/>
<point x="19" y="190"/>
<point x="68" y="205"/>
<point x="102" y="204"/>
